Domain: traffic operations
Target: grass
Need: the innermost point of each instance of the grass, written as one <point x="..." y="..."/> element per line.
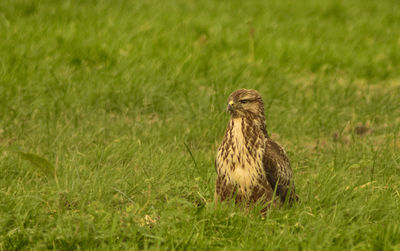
<point x="123" y="103"/>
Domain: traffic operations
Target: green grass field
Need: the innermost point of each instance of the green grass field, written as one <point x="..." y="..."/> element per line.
<point x="126" y="101"/>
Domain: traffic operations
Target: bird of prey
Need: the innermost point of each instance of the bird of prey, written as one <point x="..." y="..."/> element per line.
<point x="250" y="165"/>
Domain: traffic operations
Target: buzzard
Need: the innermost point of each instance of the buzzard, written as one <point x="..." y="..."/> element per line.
<point x="250" y="165"/>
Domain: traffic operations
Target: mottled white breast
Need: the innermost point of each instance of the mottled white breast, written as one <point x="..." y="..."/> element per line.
<point x="240" y="164"/>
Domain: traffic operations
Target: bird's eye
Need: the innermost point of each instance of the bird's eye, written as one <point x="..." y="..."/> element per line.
<point x="244" y="101"/>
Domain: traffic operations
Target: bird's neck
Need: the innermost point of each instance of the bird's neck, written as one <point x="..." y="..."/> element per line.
<point x="244" y="135"/>
<point x="255" y="122"/>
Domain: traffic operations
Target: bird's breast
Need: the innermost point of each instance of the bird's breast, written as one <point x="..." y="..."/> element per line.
<point x="239" y="160"/>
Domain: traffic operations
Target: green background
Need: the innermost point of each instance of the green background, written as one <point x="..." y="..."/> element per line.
<point x="122" y="104"/>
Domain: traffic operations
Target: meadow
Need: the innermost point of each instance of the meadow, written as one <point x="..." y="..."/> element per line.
<point x="111" y="113"/>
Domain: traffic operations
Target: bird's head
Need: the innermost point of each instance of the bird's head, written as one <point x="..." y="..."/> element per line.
<point x="245" y="102"/>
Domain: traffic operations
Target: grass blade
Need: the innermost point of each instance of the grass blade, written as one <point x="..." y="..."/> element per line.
<point x="39" y="162"/>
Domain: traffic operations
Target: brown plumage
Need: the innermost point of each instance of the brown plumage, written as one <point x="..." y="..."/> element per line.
<point x="249" y="164"/>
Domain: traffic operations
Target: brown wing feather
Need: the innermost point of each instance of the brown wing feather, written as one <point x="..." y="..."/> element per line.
<point x="279" y="172"/>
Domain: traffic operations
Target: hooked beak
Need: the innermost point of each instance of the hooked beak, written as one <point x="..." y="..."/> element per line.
<point x="230" y="106"/>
